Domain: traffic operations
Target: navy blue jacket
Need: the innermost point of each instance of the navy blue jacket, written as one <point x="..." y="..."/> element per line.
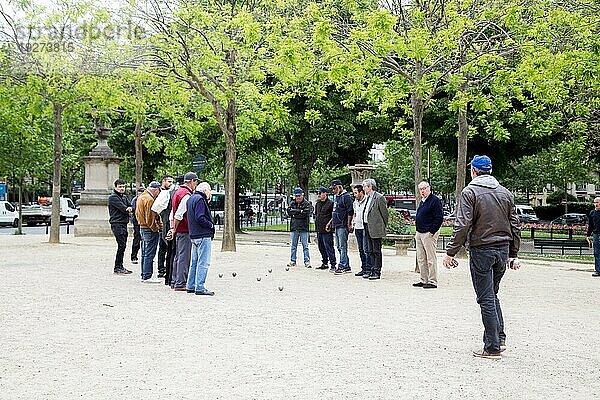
<point x="117" y="208"/>
<point x="343" y="206"/>
<point x="594" y="223"/>
<point x="198" y="216"/>
<point x="429" y="215"/>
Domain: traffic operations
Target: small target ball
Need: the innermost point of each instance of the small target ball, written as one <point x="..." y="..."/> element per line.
<point x="280" y="288"/>
<point x="220" y="275"/>
<point x="233" y="274"/>
<point x="258" y="278"/>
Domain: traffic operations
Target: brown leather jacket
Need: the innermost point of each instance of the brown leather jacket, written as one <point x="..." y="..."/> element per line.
<point x="144" y="214"/>
<point x="486" y="217"/>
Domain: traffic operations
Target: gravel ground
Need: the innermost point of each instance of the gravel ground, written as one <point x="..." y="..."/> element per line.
<point x="71" y="329"/>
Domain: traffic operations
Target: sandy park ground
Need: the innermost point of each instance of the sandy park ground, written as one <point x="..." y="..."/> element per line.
<point x="71" y="329"/>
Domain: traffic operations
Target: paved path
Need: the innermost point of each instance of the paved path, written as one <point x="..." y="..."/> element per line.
<point x="71" y="329"/>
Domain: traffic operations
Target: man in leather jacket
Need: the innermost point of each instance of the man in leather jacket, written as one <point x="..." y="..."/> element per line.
<point x="299" y="211"/>
<point x="487" y="222"/>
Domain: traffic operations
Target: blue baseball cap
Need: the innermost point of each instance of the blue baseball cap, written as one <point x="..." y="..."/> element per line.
<point x="482" y="163"/>
<point x="298" y="192"/>
<point x="322" y="190"/>
<point x="154" y="185"/>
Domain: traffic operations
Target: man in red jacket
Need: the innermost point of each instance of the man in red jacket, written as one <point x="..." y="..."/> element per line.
<point x="180" y="231"/>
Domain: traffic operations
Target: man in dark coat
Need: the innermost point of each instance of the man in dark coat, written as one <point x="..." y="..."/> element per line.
<point x="323" y="210"/>
<point x="299" y="211"/>
<point x="119" y="209"/>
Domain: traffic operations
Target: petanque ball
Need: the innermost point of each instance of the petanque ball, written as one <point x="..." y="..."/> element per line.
<point x="233" y="274"/>
<point x="258" y="278"/>
<point x="270" y="270"/>
<point x="280" y="288"/>
<point x="220" y="275"/>
<point x="287" y="268"/>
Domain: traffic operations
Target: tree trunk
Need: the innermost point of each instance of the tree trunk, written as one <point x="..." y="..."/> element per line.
<point x="20" y="224"/>
<point x="57" y="157"/>
<point x="139" y="162"/>
<point x="228" y="243"/>
<point x="461" y="158"/>
<point x="417" y="109"/>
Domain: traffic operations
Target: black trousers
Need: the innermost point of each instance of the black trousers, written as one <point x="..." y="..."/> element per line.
<point x="373" y="250"/>
<point x="169" y="257"/>
<point x="137" y="239"/>
<point x="163" y="247"/>
<point x="120" y="232"/>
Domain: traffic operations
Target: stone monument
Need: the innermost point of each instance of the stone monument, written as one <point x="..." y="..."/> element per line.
<point x="360" y="172"/>
<point x="101" y="170"/>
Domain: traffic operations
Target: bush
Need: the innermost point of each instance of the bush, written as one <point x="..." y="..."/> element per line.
<point x="558" y="196"/>
<point x="397" y="224"/>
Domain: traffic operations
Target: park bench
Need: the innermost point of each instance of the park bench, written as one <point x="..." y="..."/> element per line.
<point x="561" y="244"/>
<point x="67" y="223"/>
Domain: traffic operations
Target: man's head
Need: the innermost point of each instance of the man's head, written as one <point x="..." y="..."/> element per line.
<point x="597" y="203"/>
<point x="424" y="189"/>
<point x="480" y="165"/>
<point x="204" y="187"/>
<point x="154" y="188"/>
<point x="119" y="186"/>
<point x="167" y="182"/>
<point x="359" y="192"/>
<point x="190" y="180"/>
<point x="298" y="195"/>
<point x="336" y="186"/>
<point x="141" y="189"/>
<point x="322" y="193"/>
<point x="369" y="186"/>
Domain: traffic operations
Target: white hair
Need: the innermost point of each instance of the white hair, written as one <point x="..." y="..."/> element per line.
<point x="203" y="186"/>
<point x="370" y="183"/>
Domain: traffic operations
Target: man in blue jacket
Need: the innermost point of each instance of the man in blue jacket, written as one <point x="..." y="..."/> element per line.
<point x="202" y="232"/>
<point x="428" y="222"/>
<point x="341" y="223"/>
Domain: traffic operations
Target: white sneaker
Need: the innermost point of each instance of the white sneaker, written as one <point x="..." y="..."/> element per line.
<point x="152" y="280"/>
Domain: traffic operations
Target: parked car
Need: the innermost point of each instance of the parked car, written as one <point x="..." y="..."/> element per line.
<point x="570" y="219"/>
<point x="526" y="214"/>
<point x="8" y="214"/>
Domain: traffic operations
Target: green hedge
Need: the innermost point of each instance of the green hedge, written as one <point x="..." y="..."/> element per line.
<point x="548" y="213"/>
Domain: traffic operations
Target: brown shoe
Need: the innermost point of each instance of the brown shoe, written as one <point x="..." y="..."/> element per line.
<point x="486" y="354"/>
<point x="180" y="289"/>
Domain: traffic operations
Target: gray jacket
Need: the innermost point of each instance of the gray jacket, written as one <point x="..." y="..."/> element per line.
<point x="486" y="217"/>
<point x="377" y="218"/>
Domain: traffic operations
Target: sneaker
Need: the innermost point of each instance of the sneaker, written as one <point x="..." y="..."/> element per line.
<point x="486" y="354"/>
<point x="429" y="286"/>
<point x="347" y="270"/>
<point x="339" y="271"/>
<point x="121" y="271"/>
<point x="373" y="277"/>
<point x="323" y="266"/>
<point x="332" y="268"/>
<point x="418" y="284"/>
<point x="291" y="264"/>
<point x="359" y="273"/>
<point x="502" y="345"/>
<point x="596" y="274"/>
<point x="205" y="292"/>
<point x="152" y="280"/>
<point x="162" y="275"/>
<point x="307" y="265"/>
<point x="134" y="260"/>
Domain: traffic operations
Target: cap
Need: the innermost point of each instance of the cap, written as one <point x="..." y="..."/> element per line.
<point x="481" y="162"/>
<point x="335" y="182"/>
<point x="298" y="192"/>
<point x="154" y="185"/>
<point x="322" y="190"/>
<point x="190" y="176"/>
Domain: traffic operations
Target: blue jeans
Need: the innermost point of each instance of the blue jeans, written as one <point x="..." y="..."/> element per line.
<point x="201" y="251"/>
<point x="487" y="269"/>
<point x="325" y="240"/>
<point x="597" y="252"/>
<point x="149" y="245"/>
<point x="341" y="240"/>
<point x="361" y="239"/>
<point x="303" y="236"/>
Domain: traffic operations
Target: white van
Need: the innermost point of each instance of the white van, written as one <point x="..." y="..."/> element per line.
<point x="8" y="214"/>
<point x="526" y="214"/>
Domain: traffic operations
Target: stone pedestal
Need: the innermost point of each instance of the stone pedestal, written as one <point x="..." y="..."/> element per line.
<point x="360" y="172"/>
<point x="101" y="170"/>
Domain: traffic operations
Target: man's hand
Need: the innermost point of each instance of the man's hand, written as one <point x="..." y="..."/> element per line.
<point x="514" y="263"/>
<point x="350" y="229"/>
<point x="450" y="262"/>
<point x="129" y="209"/>
<point x="328" y="227"/>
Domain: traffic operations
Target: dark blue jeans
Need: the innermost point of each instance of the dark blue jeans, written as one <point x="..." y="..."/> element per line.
<point x="597" y="252"/>
<point x="326" y="249"/>
<point x="149" y="244"/>
<point x="365" y="260"/>
<point x="487" y="269"/>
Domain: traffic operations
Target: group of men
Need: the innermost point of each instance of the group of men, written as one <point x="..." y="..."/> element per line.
<point x="174" y="218"/>
<point x="180" y="221"/>
<point x="366" y="215"/>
